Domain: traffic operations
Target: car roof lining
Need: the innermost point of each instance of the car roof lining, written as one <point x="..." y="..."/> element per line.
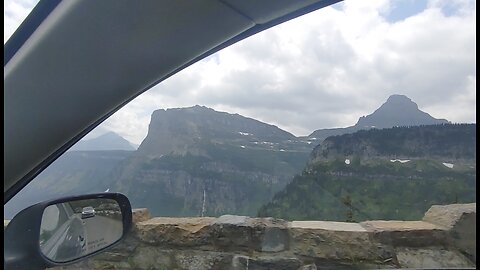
<point x="53" y="132"/>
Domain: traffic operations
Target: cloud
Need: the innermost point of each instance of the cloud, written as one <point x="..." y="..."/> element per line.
<point x="332" y="66"/>
<point x="329" y="67"/>
<point x="14" y="14"/>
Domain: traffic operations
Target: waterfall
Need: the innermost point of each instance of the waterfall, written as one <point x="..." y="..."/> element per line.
<point x="203" y="205"/>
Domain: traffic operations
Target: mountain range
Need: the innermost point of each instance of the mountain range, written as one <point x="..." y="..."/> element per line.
<point x="197" y="161"/>
<point x="74" y="173"/>
<point x="390" y="174"/>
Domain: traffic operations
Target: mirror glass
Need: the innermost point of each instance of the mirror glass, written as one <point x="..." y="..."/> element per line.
<point x="74" y="229"/>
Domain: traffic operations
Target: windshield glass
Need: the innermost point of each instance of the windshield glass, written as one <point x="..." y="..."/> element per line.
<point x="353" y="127"/>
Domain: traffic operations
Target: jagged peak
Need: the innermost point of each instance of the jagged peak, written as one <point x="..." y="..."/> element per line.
<point x="398" y="97"/>
<point x="398" y="110"/>
<point x="401" y="100"/>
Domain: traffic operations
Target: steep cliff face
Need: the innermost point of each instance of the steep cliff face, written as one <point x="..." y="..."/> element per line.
<point x="394" y="173"/>
<point x="176" y="130"/>
<point x="451" y="143"/>
<point x="197" y="161"/>
<point x="398" y="110"/>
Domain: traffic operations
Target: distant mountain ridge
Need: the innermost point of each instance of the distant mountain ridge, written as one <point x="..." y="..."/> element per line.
<point x="452" y="142"/>
<point x="398" y="110"/>
<point x="388" y="174"/>
<point x="107" y="141"/>
<point x="73" y="173"/>
<point x="197" y="156"/>
<point x="174" y="130"/>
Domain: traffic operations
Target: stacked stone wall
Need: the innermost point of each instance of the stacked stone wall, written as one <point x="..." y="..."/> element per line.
<point x="444" y="238"/>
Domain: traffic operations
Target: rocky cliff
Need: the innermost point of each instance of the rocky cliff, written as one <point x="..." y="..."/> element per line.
<point x="196" y="161"/>
<point x="366" y="174"/>
<point x="180" y="130"/>
<point x="447" y="142"/>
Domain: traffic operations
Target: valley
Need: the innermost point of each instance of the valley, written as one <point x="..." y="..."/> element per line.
<point x="196" y="161"/>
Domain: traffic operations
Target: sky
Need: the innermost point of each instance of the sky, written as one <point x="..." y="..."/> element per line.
<point x="324" y="69"/>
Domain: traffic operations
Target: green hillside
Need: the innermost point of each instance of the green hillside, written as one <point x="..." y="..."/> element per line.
<point x="354" y="178"/>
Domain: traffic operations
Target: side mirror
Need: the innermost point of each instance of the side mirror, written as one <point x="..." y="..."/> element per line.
<point x="66" y="230"/>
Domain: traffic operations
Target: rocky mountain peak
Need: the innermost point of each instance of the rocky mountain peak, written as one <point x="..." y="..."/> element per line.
<point x="400" y="101"/>
<point x="106" y="141"/>
<point x="399" y="98"/>
<point x="178" y="129"/>
<point x="398" y="110"/>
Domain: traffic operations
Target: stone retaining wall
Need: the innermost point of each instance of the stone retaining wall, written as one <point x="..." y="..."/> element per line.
<point x="444" y="238"/>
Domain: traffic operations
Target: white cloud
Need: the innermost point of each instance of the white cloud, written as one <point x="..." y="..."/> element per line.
<point x="328" y="68"/>
<point x="14" y="14"/>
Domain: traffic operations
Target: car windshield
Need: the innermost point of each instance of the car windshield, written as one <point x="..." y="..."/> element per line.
<point x="343" y="138"/>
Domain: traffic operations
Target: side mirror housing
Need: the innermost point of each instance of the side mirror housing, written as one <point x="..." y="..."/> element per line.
<point x="67" y="230"/>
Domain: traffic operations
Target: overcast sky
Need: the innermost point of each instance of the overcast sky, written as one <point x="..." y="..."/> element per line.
<point x="324" y="69"/>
